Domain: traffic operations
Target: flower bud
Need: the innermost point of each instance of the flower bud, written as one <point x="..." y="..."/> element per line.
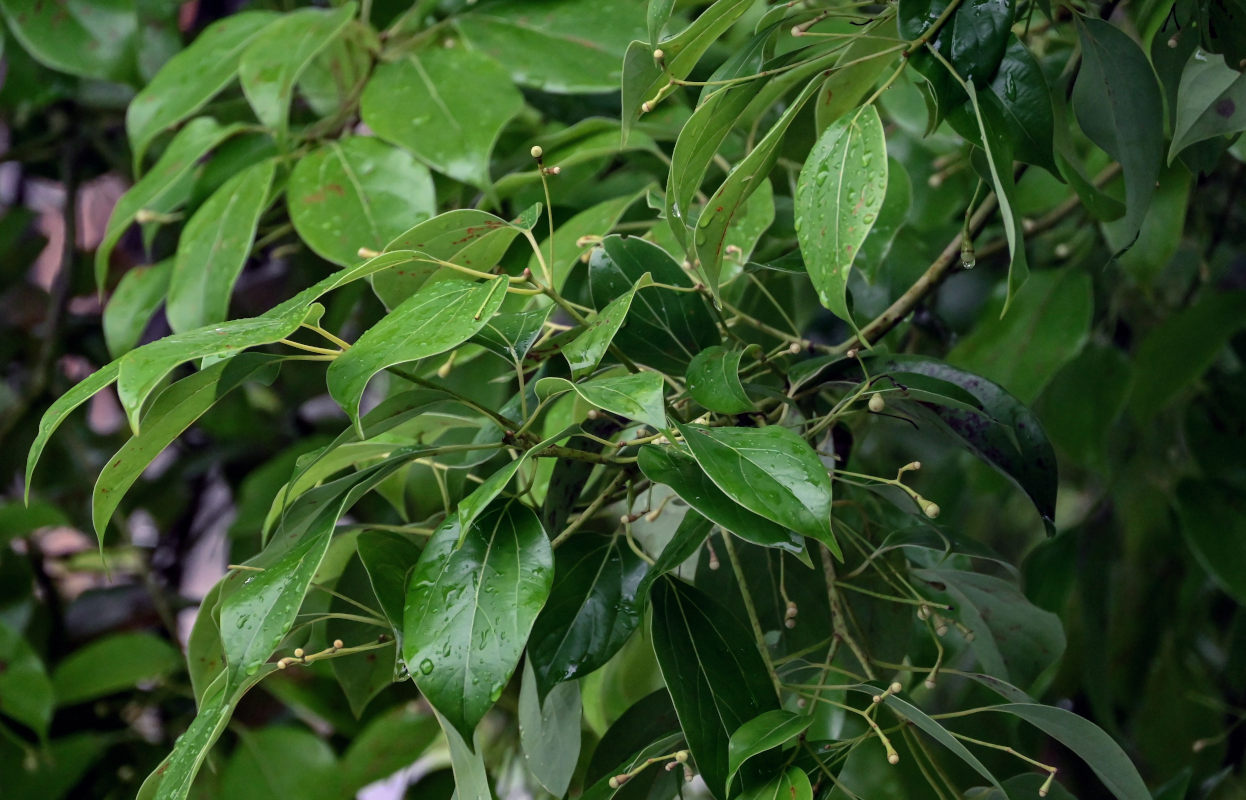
<point x="536" y="151"/>
<point x="877" y="403"/>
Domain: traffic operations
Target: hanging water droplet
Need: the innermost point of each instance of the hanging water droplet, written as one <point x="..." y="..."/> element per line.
<point x="426" y="666"/>
<point x="968" y="263"/>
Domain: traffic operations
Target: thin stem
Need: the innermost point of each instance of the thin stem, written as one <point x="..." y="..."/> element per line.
<point x="753" y="619"/>
<point x="838" y="623"/>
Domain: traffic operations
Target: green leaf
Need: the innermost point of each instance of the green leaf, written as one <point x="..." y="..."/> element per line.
<point x="1117" y="101"/>
<point x="549" y="730"/>
<point x="999" y="158"/>
<point x="57" y="770"/>
<point x="471" y="781"/>
<point x="359" y="192"/>
<point x="838" y="196"/>
<point x="452" y="132"/>
<point x="1083" y="399"/>
<point x="391" y="741"/>
<point x="637" y="396"/>
<point x="714" y="380"/>
<point x="596" y="220"/>
<point x="1049" y="321"/>
<point x="25" y="691"/>
<point x="793" y="784"/>
<point x="18" y="519"/>
<point x="1174" y="354"/>
<point x="657" y="14"/>
<point x="571" y="47"/>
<point x="1004" y="433"/>
<point x="585" y="352"/>
<point x="132" y="304"/>
<point x="95" y="40"/>
<point x="61" y="408"/>
<point x="692" y="532"/>
<point x="471" y="603"/>
<point x="671" y="466"/>
<point x="711" y="230"/>
<point x="272" y="63"/>
<point x="389" y="559"/>
<point x="1013" y="640"/>
<point x="435" y="319"/>
<point x="173" y="411"/>
<point x="511" y="336"/>
<point x="205" y="653"/>
<point x="643" y="76"/>
<point x="1211" y="102"/>
<point x="1025" y="99"/>
<point x="980" y="32"/>
<point x="1163" y="228"/>
<point x="214" y="246"/>
<point x="764" y="732"/>
<point x="770" y="471"/>
<point x="891" y="218"/>
<point x="364" y="676"/>
<point x="857" y="71"/>
<point x="191" y="78"/>
<point x="190" y="144"/>
<point x="663" y="329"/>
<point x="1211" y="523"/>
<point x="715" y="674"/>
<point x="111" y="664"/>
<point x="270" y="761"/>
<point x="591" y="142"/>
<point x="1083" y="737"/>
<point x="591" y="612"/>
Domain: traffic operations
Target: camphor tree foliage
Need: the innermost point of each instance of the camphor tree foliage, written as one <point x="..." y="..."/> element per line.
<point x="814" y="399"/>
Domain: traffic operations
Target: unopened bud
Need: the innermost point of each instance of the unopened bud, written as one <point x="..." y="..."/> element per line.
<point x="1172" y="41"/>
<point x="789" y="623"/>
<point x="658" y="55"/>
<point x="852" y="353"/>
<point x="367" y="252"/>
<point x="646" y="107"/>
<point x="877" y="403"/>
<point x="298" y="652"/>
<point x="893" y="759"/>
<point x="923" y="612"/>
<point x="338" y="644"/>
<point x="895" y="687"/>
<point x="930" y="683"/>
<point x="797" y="31"/>
<point x="536" y="151"/>
<point x="682" y="756"/>
<point x="931" y="510"/>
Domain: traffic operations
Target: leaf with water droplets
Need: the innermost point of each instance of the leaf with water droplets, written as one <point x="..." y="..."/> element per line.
<point x="838" y="196"/>
<point x="471" y="603"/>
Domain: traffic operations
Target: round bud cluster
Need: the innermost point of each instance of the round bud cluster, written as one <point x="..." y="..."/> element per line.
<point x="789" y="616"/>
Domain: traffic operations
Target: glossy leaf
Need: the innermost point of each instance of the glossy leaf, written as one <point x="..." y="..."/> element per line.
<point x="1012" y="639"/>
<point x="95" y="41"/>
<point x="61" y="408"/>
<point x="25" y="691"/>
<point x="308" y="765"/>
<point x="701" y="650"/>
<point x="585" y="352"/>
<point x="1083" y="737"/>
<point x="764" y="732"/>
<point x="192" y="77"/>
<point x="359" y="192"/>
<point x="597" y="220"/>
<point x="1049" y="321"/>
<point x="511" y="336"/>
<point x="471" y="603"/>
<point x="549" y="730"/>
<point x="770" y="471"/>
<point x="389" y="559"/>
<point x="636" y="396"/>
<point x="433" y="320"/>
<point x="272" y="63"/>
<point x="891" y="218"/>
<point x="173" y="778"/>
<point x="1004" y="433"/>
<point x="190" y="144"/>
<point x="452" y="132"/>
<point x="663" y="329"/>
<point x="710" y="234"/>
<point x="471" y="781"/>
<point x="1118" y="105"/>
<point x="389" y="742"/>
<point x="838" y="197"/>
<point x="574" y="46"/>
<point x="109" y="665"/>
<point x="681" y="472"/>
<point x="714" y="381"/>
<point x="1025" y="99"/>
<point x="1211" y="524"/>
<point x="592" y="609"/>
<point x="692" y="532"/>
<point x="132" y="304"/>
<point x="793" y="784"/>
<point x="214" y="246"/>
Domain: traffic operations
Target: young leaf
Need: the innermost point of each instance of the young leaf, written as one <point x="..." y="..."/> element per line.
<point x="764" y="732"/>
<point x="702" y="650"/>
<point x="1118" y="103"/>
<point x="591" y="612"/>
<point x="452" y="132"/>
<point x="664" y="329"/>
<point x="356" y="193"/>
<point x="549" y="730"/>
<point x="471" y="781"/>
<point x="714" y="381"/>
<point x="272" y="63"/>
<point x="770" y="471"/>
<point x="61" y="408"/>
<point x="191" y="78"/>
<point x="214" y="246"/>
<point x="672" y="467"/>
<point x="471" y="603"/>
<point x="637" y="396"/>
<point x="585" y="352"/>
<point x="190" y="144"/>
<point x="132" y="304"/>
<point x="838" y="196"/>
<point x="433" y="320"/>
